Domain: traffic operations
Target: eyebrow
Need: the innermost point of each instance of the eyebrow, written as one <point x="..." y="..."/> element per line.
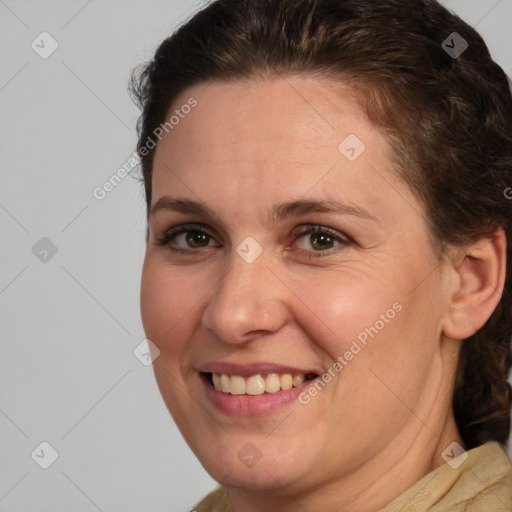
<point x="278" y="212"/>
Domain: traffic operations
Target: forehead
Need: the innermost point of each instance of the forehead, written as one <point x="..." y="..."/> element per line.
<point x="249" y="145"/>
<point x="283" y="122"/>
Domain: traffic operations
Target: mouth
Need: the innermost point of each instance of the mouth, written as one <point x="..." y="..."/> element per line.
<point x="257" y="384"/>
<point x="254" y="389"/>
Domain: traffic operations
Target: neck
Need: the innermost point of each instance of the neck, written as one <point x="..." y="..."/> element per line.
<point x="374" y="485"/>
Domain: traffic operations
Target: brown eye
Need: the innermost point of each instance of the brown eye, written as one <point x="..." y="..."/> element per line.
<point x="316" y="241"/>
<point x="196" y="239"/>
<point x="186" y="238"/>
<point x="321" y="241"/>
<point x="318" y="238"/>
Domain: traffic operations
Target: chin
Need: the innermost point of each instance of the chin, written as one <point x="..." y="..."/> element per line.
<point x="239" y="463"/>
<point x="263" y="476"/>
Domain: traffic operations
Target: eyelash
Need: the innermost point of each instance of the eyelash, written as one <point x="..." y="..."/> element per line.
<point x="344" y="240"/>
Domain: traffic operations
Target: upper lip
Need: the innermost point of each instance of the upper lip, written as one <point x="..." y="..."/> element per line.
<point x="246" y="370"/>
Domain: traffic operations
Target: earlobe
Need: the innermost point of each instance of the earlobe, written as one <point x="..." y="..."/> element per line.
<point x="478" y="279"/>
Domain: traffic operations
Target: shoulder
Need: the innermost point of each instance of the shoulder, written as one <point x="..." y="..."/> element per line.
<point x="216" y="501"/>
<point x="477" y="480"/>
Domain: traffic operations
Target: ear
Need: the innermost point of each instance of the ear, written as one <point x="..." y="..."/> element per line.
<point x="478" y="279"/>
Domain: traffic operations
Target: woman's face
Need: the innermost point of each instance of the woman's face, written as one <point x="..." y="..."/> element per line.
<point x="295" y="252"/>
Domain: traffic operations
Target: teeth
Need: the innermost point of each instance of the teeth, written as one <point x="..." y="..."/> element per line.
<point x="272" y="383"/>
<point x="237" y="385"/>
<point x="225" y="383"/>
<point x="256" y="384"/>
<point x="298" y="380"/>
<point x="286" y="381"/>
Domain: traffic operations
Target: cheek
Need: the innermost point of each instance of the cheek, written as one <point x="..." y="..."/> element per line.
<point x="346" y="306"/>
<point x="167" y="299"/>
<point x="374" y="323"/>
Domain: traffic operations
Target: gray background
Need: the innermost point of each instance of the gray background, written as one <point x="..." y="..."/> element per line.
<point x="70" y="320"/>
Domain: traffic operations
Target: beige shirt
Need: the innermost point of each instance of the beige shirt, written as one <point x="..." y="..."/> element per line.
<point x="482" y="483"/>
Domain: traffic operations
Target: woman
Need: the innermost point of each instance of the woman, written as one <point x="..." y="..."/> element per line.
<point x="326" y="276"/>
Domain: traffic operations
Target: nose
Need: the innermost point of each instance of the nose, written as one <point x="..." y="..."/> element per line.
<point x="248" y="302"/>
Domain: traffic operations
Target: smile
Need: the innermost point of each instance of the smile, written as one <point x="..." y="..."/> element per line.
<point x="258" y="384"/>
<point x="256" y="392"/>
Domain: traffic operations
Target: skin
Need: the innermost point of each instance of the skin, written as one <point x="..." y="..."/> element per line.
<point x="382" y="423"/>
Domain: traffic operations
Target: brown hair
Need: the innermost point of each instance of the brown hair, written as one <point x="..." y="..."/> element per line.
<point x="447" y="118"/>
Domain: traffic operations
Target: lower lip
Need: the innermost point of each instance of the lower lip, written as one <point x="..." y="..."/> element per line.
<point x="247" y="405"/>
